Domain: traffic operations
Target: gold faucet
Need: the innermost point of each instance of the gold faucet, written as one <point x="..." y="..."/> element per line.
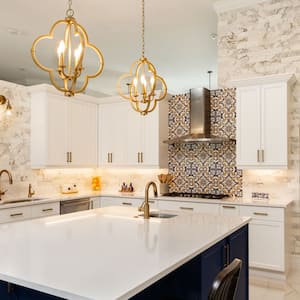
<point x="31" y="192"/>
<point x="145" y="205"/>
<point x="10" y="181"/>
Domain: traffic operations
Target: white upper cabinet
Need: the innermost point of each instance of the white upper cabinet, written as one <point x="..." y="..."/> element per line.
<point x="262" y="121"/>
<point x="63" y="130"/>
<point x="127" y="138"/>
<point x="112" y="134"/>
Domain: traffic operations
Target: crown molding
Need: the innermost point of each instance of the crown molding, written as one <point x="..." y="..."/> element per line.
<point x="221" y="6"/>
<point x="288" y="78"/>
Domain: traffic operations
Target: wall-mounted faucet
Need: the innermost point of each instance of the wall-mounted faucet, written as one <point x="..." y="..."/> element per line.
<point x="31" y="192"/>
<point x="145" y="205"/>
<point x="9" y="178"/>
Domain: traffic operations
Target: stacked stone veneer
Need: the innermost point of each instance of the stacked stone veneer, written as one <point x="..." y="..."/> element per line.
<point x="205" y="167"/>
<point x="264" y="39"/>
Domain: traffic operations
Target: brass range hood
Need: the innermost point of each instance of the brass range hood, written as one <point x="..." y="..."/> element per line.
<point x="200" y="120"/>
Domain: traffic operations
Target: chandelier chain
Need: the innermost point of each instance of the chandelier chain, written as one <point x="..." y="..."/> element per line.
<point x="70" y="11"/>
<point x="143" y="28"/>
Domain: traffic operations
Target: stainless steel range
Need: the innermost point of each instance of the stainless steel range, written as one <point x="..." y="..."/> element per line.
<point x="196" y="195"/>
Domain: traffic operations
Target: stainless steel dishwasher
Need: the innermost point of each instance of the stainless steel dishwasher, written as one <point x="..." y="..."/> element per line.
<point x="74" y="205"/>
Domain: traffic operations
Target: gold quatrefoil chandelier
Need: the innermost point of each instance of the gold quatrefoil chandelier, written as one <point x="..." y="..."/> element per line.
<point x="70" y="55"/>
<point x="142" y="86"/>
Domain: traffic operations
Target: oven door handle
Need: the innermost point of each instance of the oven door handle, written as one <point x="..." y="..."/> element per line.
<point x="74" y="202"/>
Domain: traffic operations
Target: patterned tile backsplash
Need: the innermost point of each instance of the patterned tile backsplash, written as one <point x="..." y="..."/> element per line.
<point x="205" y="167"/>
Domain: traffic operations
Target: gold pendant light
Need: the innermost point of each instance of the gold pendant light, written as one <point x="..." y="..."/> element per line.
<point x="142" y="86"/>
<point x="70" y="54"/>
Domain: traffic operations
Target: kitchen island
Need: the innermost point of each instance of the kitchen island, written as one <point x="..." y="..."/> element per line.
<point x="112" y="253"/>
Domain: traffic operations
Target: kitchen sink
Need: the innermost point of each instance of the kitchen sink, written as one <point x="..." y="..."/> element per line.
<point x="159" y="215"/>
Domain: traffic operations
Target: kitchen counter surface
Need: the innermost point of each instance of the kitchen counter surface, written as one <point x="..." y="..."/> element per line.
<point x="61" y="197"/>
<point x="105" y="253"/>
<point x="230" y="200"/>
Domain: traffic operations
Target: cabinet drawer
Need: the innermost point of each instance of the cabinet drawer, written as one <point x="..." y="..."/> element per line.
<point x="43" y="210"/>
<point x="263" y="213"/>
<point x="229" y="210"/>
<point x="190" y="206"/>
<point x="15" y="214"/>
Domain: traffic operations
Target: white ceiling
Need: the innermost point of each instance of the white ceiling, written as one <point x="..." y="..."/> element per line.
<point x="178" y="39"/>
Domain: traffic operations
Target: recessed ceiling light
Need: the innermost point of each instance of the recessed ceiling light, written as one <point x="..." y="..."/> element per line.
<point x="213" y="36"/>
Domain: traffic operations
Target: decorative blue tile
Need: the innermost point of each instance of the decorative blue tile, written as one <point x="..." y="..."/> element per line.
<point x="205" y="167"/>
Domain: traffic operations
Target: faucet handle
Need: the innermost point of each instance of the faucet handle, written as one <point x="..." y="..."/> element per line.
<point x="3" y="192"/>
<point x="31" y="192"/>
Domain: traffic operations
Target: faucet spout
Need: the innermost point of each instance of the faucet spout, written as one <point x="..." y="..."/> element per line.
<point x="8" y="174"/>
<point x="9" y="178"/>
<point x="145" y="205"/>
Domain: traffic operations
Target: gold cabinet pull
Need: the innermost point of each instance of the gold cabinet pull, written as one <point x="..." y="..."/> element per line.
<point x="151" y="201"/>
<point x="186" y="208"/>
<point x="142" y="157"/>
<point x="258" y="156"/>
<point x="139" y="157"/>
<point x="126" y="203"/>
<point x="67" y="157"/>
<point x="111" y="157"/>
<point x="260" y="214"/>
<point x="16" y="215"/>
<point x="263" y="155"/>
<point x="47" y="209"/>
<point x="70" y="157"/>
<point x="229" y="206"/>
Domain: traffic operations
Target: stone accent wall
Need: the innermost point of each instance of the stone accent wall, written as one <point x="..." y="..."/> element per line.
<point x="264" y="39"/>
<point x="205" y="167"/>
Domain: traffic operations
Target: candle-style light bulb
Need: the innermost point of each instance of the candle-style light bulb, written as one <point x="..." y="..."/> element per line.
<point x="60" y="52"/>
<point x="77" y="54"/>
<point x="8" y="109"/>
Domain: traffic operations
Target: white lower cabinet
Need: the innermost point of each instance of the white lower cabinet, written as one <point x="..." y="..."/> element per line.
<point x="15" y="214"/>
<point x="44" y="210"/>
<point x="189" y="206"/>
<point x="267" y="244"/>
<point x="125" y="201"/>
<point x="29" y="212"/>
<point x="268" y="241"/>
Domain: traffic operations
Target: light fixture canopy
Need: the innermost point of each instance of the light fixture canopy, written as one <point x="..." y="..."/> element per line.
<point x="142" y="86"/>
<point x="70" y="54"/>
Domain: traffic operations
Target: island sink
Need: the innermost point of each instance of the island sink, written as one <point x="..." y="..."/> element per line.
<point x="159" y="215"/>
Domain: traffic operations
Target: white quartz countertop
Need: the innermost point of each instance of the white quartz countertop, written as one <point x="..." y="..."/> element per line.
<point x="40" y="199"/>
<point x="105" y="253"/>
